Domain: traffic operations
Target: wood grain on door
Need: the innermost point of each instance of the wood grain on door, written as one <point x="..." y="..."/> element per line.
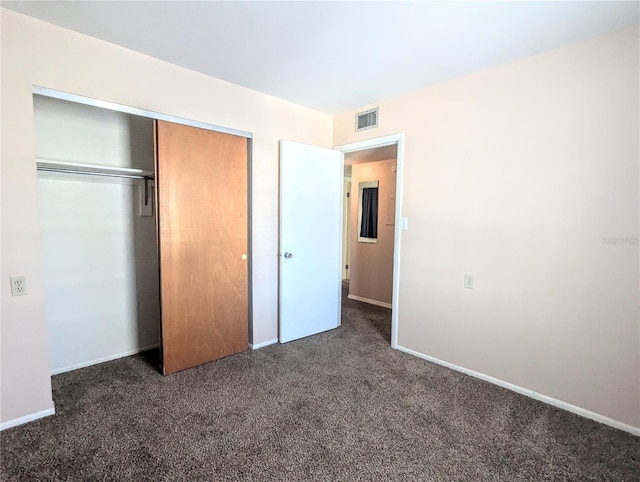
<point x="202" y="236"/>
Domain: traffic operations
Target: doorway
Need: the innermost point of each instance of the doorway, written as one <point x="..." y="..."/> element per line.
<point x="371" y="258"/>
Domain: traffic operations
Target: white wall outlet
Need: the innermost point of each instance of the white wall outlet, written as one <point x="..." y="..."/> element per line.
<point x="468" y="281"/>
<point x="18" y="286"/>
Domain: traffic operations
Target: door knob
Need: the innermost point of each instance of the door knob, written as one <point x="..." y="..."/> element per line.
<point x="288" y="255"/>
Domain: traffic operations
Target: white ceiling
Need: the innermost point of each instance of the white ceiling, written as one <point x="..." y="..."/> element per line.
<point x="333" y="56"/>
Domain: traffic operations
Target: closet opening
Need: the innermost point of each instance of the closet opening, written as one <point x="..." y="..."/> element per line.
<point x="98" y="225"/>
<point x="97" y="178"/>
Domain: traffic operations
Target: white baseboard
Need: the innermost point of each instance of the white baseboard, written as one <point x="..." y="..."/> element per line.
<point x="263" y="344"/>
<point x="27" y="418"/>
<point x="69" y="368"/>
<point x="530" y="393"/>
<point x="371" y="302"/>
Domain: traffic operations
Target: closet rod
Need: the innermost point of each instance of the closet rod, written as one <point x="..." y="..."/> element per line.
<point x="92" y="169"/>
<point x="91" y="173"/>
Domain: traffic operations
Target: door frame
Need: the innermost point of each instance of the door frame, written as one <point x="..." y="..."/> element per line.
<point x="346" y="222"/>
<point x="383" y="141"/>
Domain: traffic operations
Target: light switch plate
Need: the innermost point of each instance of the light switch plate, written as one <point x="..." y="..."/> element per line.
<point x="404" y="223"/>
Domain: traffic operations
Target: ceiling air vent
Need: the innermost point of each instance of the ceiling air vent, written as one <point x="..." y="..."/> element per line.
<point x="367" y="119"/>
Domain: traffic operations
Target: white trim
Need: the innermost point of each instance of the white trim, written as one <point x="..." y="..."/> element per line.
<point x="80" y="99"/>
<point x="370" y="143"/>
<point x="530" y="393"/>
<point x="69" y="368"/>
<point x="263" y="344"/>
<point x="381" y="142"/>
<point x="27" y="418"/>
<point x="371" y="302"/>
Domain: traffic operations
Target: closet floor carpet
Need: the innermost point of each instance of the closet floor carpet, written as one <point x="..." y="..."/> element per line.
<point x="341" y="405"/>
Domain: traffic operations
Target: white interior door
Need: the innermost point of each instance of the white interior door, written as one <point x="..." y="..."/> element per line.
<point x="310" y="239"/>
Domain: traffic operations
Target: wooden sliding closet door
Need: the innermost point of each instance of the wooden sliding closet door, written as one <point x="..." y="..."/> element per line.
<point x="201" y="179"/>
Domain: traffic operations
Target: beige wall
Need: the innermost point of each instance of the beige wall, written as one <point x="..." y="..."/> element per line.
<point x="36" y="53"/>
<point x="523" y="175"/>
<point x="371" y="264"/>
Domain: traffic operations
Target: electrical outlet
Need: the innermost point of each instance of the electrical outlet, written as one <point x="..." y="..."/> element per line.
<point x="18" y="286"/>
<point x="468" y="281"/>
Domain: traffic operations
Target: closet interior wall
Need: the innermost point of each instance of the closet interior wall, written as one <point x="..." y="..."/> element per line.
<point x="101" y="255"/>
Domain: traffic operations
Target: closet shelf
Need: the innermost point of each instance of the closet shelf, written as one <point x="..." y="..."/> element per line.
<point x="92" y="169"/>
